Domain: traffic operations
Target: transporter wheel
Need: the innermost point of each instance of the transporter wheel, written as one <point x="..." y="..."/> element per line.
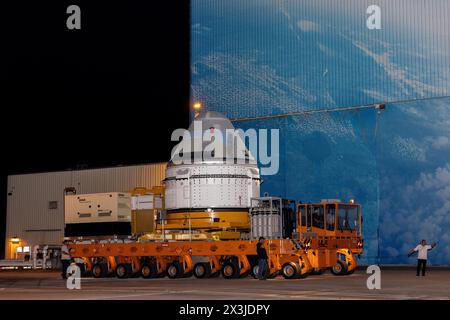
<point x="123" y="270"/>
<point x="202" y="270"/>
<point x="148" y="271"/>
<point x="339" y="268"/>
<point x="290" y="270"/>
<point x="255" y="271"/>
<point x="230" y="270"/>
<point x="174" y="270"/>
<point x="99" y="270"/>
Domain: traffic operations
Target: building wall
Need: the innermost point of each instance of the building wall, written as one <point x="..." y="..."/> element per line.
<point x="28" y="214"/>
<point x="255" y="58"/>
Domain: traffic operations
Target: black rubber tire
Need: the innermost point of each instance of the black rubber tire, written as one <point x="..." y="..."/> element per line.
<point x="202" y="270"/>
<point x="254" y="271"/>
<point x="230" y="270"/>
<point x="339" y="268"/>
<point x="99" y="270"/>
<point x="174" y="270"/>
<point x="123" y="270"/>
<point x="148" y="270"/>
<point x="290" y="270"/>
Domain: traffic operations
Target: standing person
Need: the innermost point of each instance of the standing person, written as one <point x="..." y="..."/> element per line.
<point x="422" y="249"/>
<point x="65" y="259"/>
<point x="80" y="263"/>
<point x="262" y="259"/>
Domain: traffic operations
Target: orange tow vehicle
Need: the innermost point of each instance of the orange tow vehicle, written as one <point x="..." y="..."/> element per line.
<point x="309" y="239"/>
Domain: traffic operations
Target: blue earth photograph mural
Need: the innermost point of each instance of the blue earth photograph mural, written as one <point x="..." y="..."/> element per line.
<point x="252" y="58"/>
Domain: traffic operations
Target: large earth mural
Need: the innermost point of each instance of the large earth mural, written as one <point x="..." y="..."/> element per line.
<point x="266" y="57"/>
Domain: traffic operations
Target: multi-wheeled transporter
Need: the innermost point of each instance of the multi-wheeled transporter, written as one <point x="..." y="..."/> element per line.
<point x="207" y="219"/>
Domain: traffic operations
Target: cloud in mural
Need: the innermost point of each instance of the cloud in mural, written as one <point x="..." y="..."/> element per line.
<point x="307" y="25"/>
<point x="400" y="75"/>
<point x="291" y="55"/>
<point x="440" y="142"/>
<point x="422" y="212"/>
<point x="434" y="181"/>
<point x="198" y="28"/>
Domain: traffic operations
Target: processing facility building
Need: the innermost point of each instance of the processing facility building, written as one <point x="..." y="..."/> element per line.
<point x="35" y="203"/>
<point x="363" y="113"/>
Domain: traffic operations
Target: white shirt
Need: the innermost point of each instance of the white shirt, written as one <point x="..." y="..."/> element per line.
<point x="423" y="250"/>
<point x="65" y="253"/>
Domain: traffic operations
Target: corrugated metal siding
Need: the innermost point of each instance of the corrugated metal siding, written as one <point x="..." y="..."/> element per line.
<point x="28" y="208"/>
<point x="28" y="213"/>
<point x="118" y="179"/>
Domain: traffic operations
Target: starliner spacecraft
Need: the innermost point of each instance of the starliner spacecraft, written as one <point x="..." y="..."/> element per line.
<point x="211" y="178"/>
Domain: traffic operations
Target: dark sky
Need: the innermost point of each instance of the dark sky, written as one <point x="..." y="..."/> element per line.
<point x="110" y="93"/>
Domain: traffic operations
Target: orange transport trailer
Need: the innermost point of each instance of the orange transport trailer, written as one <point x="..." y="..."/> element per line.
<point x="328" y="236"/>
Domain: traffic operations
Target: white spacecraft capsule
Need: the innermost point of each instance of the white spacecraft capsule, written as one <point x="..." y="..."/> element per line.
<point x="211" y="177"/>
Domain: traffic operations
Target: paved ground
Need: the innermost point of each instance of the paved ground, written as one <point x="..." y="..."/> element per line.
<point x="396" y="284"/>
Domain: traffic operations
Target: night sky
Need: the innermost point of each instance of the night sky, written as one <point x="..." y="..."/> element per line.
<point x="108" y="94"/>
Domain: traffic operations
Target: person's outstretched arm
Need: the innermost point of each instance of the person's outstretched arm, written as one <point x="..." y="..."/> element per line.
<point x="412" y="251"/>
